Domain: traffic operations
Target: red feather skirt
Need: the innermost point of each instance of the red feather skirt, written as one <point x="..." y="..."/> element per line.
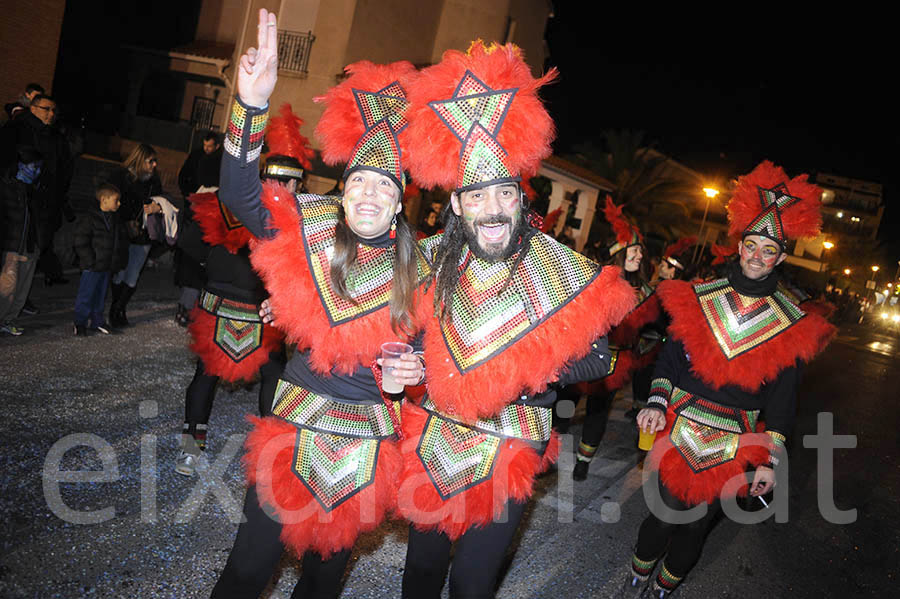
<point x="306" y="525"/>
<point x="511" y="478"/>
<point x="229" y="365"/>
<point x="728" y="478"/>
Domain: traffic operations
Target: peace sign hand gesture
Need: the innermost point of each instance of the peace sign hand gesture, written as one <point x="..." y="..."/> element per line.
<point x="258" y="68"/>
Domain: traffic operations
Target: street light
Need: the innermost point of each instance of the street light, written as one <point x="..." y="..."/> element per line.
<point x="847" y="271"/>
<point x="827" y="245"/>
<point x="710" y="192"/>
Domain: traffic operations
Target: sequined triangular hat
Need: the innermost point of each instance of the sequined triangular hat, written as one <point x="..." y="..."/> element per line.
<point x="769" y="203"/>
<point x="476" y="119"/>
<point x="363" y="117"/>
<point x="626" y="233"/>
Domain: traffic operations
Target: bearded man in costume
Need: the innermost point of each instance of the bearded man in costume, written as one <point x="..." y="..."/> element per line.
<point x="735" y="349"/>
<point x="343" y="274"/>
<point x="513" y="311"/>
<point x="228" y="336"/>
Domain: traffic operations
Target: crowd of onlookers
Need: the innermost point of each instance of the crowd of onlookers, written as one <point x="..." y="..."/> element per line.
<point x="113" y="231"/>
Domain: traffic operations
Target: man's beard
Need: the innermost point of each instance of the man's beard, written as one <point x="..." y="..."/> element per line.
<point x="495" y="254"/>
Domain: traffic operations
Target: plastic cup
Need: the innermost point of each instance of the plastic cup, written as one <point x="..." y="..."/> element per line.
<point x="392" y="350"/>
<point x="645" y="440"/>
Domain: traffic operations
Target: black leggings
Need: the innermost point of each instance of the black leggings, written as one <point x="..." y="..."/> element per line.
<point x="202" y="390"/>
<point x="257" y="551"/>
<point x="596" y="417"/>
<point x="684" y="541"/>
<point x="476" y="563"/>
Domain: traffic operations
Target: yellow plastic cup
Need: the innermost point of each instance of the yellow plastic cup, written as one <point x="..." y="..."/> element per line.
<point x="645" y="441"/>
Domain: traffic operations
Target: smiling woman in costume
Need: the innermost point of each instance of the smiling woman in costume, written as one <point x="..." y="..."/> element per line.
<point x="342" y="273"/>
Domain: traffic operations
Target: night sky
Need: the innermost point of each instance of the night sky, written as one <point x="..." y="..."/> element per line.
<point x="720" y="93"/>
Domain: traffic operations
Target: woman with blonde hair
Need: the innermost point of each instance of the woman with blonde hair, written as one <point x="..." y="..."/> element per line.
<point x="139" y="182"/>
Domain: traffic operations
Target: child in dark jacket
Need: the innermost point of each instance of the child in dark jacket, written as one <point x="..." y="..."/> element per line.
<point x="101" y="243"/>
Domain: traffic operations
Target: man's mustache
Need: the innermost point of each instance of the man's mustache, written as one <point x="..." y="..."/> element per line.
<point x="497" y="219"/>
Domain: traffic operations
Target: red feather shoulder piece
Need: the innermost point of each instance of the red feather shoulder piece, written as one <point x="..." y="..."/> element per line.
<point x="728" y="354"/>
<point x="219" y="225"/>
<point x="529" y="363"/>
<point x="284" y="265"/>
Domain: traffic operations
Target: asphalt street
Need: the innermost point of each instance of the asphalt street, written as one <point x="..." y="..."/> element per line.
<point x="90" y="505"/>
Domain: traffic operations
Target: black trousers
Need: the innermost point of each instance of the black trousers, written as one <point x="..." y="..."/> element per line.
<point x="479" y="556"/>
<point x="202" y="390"/>
<point x="596" y="417"/>
<point x="257" y="551"/>
<point x="682" y="543"/>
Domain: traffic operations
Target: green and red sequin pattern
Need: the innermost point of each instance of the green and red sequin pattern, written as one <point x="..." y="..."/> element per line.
<point x="337" y="443"/>
<point x="739" y="322"/>
<point x="475" y="114"/>
<point x="303" y="407"/>
<point x="778" y="441"/>
<point x="370" y="279"/>
<point x="707" y="434"/>
<point x="768" y="221"/>
<point x="384" y="117"/>
<point x="245" y="133"/>
<point x="660" y="391"/>
<point x="482" y="321"/>
<point x="239" y="329"/>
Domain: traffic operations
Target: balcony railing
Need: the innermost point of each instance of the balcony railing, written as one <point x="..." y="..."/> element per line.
<point x="293" y="51"/>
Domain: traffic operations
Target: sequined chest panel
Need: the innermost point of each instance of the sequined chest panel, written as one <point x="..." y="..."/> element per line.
<point x="740" y="322"/>
<point x="239" y="330"/>
<point x="337" y="443"/>
<point x="487" y="316"/>
<point x="370" y="278"/>
<point x="458" y="456"/>
<point x="707" y="434"/>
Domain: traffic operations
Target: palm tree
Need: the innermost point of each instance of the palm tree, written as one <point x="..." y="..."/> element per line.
<point x="654" y="193"/>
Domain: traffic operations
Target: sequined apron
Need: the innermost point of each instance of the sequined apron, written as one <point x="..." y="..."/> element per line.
<point x="337" y="443"/>
<point x="707" y="434"/>
<point x="238" y="330"/>
<point x="458" y="456"/>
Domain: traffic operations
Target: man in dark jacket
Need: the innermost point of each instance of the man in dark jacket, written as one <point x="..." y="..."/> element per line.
<point x="102" y="247"/>
<point x="36" y="129"/>
<point x="19" y="234"/>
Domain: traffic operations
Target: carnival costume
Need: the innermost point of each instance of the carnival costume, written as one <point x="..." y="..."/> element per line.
<point x="483" y="432"/>
<point x="735" y="348"/>
<point x="325" y="464"/>
<point x="633" y="343"/>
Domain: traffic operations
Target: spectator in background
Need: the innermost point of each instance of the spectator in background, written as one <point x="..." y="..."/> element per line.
<point x="200" y="171"/>
<point x="201" y="168"/>
<point x="36" y="129"/>
<point x="20" y="106"/>
<point x="138" y="182"/>
<point x="102" y="247"/>
<point x="20" y="234"/>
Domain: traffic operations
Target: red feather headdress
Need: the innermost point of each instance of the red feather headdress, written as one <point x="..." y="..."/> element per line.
<point x="721" y="252"/>
<point x="476" y="119"/>
<point x="769" y="203"/>
<point x="283" y="138"/>
<point x="626" y="233"/>
<point x="364" y="116"/>
<point x="673" y="252"/>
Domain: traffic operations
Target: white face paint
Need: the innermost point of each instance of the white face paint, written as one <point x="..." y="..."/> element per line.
<point x="371" y="199"/>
